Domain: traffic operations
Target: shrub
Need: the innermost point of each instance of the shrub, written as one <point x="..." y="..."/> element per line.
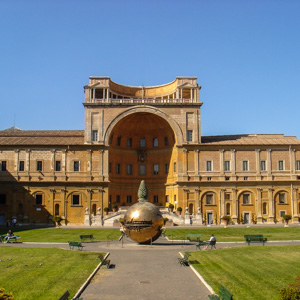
<point x="106" y="209"/>
<point x="171" y="206"/>
<point x="165" y="220"/>
<point x="115" y="206"/>
<point x="286" y="217"/>
<point x="179" y="209"/>
<point x="292" y="292"/>
<point x="226" y="218"/>
<point x="5" y="296"/>
<point x="57" y="219"/>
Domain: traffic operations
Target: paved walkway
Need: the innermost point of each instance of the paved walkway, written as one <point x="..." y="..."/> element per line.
<point x="144" y="272"/>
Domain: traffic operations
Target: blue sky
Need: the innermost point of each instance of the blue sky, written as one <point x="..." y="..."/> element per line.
<point x="246" y="55"/>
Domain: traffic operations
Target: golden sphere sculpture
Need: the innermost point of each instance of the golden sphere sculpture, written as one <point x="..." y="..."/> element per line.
<point x="143" y="221"/>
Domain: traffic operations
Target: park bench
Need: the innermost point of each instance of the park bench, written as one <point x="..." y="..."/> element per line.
<point x="104" y="262"/>
<point x="75" y="244"/>
<point x="86" y="236"/>
<point x="14" y="238"/>
<point x="258" y="238"/>
<point x="184" y="261"/>
<point x="224" y="294"/>
<point x="194" y="237"/>
<point x="212" y="244"/>
<point x="65" y="296"/>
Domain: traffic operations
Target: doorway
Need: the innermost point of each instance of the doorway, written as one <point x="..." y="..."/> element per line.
<point x="209" y="218"/>
<point x="246" y="218"/>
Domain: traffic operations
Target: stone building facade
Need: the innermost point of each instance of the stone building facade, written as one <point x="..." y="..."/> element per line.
<point x="154" y="134"/>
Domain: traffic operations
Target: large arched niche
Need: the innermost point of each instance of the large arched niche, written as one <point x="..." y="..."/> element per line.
<point x="141" y="147"/>
<point x="145" y="109"/>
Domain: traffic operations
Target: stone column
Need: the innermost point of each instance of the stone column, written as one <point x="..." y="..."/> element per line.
<point x="101" y="165"/>
<point x="16" y="168"/>
<point x="271" y="217"/>
<point x="269" y="164"/>
<point x="235" y="206"/>
<point x="52" y="162"/>
<point x="222" y="203"/>
<point x="185" y="162"/>
<point x="197" y="164"/>
<point x="257" y="163"/>
<point x="232" y="163"/>
<point x="293" y="162"/>
<point x="259" y="207"/>
<point x="64" y="205"/>
<point x="51" y="206"/>
<point x="87" y="215"/>
<point x="295" y="205"/>
<point x="222" y="162"/>
<point x="64" y="162"/>
<point x="89" y="164"/>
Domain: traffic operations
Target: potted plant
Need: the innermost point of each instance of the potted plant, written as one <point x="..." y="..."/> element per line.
<point x="115" y="207"/>
<point x="286" y="219"/>
<point x="179" y="210"/>
<point x="106" y="210"/>
<point x="226" y="220"/>
<point x="57" y="220"/>
<point x="171" y="207"/>
<point x="204" y="219"/>
<point x="165" y="220"/>
<point x="254" y="219"/>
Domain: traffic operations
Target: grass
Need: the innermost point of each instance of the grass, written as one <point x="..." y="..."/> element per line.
<point x="61" y="270"/>
<point x="232" y="234"/>
<point x="62" y="235"/>
<point x="249" y="272"/>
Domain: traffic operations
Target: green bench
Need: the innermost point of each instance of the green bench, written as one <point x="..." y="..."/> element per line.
<point x="224" y="294"/>
<point x="194" y="237"/>
<point x="258" y="238"/>
<point x="104" y="262"/>
<point x="75" y="244"/>
<point x="86" y="236"/>
<point x="65" y="296"/>
<point x="184" y="261"/>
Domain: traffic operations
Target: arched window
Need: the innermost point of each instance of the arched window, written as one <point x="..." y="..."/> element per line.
<point x="265" y="208"/>
<point x="56" y="209"/>
<point x="191" y="208"/>
<point x="94" y="209"/>
<point x="228" y="209"/>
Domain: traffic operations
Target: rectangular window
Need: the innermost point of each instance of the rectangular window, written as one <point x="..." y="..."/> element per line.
<point x="155" y="169"/>
<point x="227" y="178"/>
<point x="95" y="135"/>
<point x="142" y="142"/>
<point x="167" y="198"/>
<point x="129" y="199"/>
<point x="129" y="142"/>
<point x="76" y="166"/>
<point x="189" y="137"/>
<point x="75" y="200"/>
<point x="129" y="169"/>
<point x="208" y="178"/>
<point x="155" y="142"/>
<point x="118" y="169"/>
<point x="109" y="167"/>
<point x="3" y="165"/>
<point x="281" y="197"/>
<point x="167" y="168"/>
<point x="155" y="199"/>
<point x="209" y="199"/>
<point x="246" y="198"/>
<point x="21" y="165"/>
<point x="117" y="198"/>
<point x="245" y="165"/>
<point x="118" y="141"/>
<point x="227" y="165"/>
<point x="142" y="170"/>
<point x="2" y="199"/>
<point x="57" y="166"/>
<point x="227" y="196"/>
<point x="263" y="165"/>
<point x="246" y="178"/>
<point x="298" y="165"/>
<point x="282" y="212"/>
<point x="280" y="165"/>
<point x="166" y="141"/>
<point x="209" y="165"/>
<point x="39" y="165"/>
<point x="38" y="199"/>
<point x="174" y="167"/>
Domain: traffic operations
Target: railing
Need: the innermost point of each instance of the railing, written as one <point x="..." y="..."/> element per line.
<point x="133" y="101"/>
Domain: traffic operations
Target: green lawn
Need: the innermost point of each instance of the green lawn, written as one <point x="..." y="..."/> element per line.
<point x="254" y="273"/>
<point x="62" y="235"/>
<point x="61" y="270"/>
<point x="233" y="234"/>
